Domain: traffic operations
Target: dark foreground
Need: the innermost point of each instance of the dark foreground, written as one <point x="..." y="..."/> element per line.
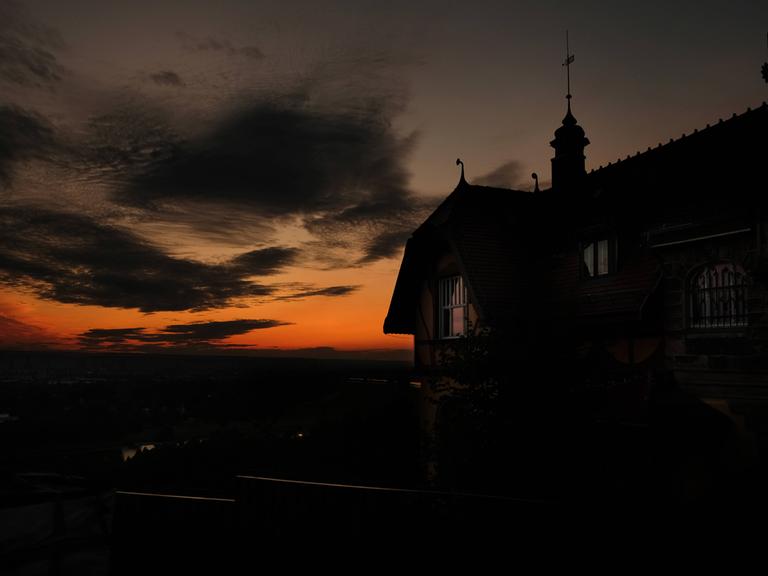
<point x="125" y="464"/>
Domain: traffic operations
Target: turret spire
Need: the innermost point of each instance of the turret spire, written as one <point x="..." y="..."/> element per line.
<point x="569" y="143"/>
<point x="567" y="63"/>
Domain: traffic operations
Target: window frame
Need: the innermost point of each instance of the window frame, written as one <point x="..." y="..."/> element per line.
<point x="711" y="297"/>
<point x="612" y="250"/>
<point x="446" y="291"/>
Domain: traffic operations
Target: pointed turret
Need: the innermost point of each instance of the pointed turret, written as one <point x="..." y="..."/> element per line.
<point x="568" y="167"/>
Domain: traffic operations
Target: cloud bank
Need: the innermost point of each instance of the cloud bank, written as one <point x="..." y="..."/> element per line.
<point x="197" y="336"/>
<point x="73" y="259"/>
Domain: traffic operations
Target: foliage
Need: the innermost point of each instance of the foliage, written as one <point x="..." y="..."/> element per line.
<point x="467" y="390"/>
<point x="470" y="373"/>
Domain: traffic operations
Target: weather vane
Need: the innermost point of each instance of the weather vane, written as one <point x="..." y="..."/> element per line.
<point x="568" y="61"/>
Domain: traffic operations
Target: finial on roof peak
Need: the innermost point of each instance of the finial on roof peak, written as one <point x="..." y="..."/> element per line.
<point x="460" y="163"/>
<point x="536" y="182"/>
<point x="569" y="119"/>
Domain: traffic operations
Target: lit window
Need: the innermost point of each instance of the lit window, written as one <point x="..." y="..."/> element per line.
<point x="589" y="259"/>
<point x="453" y="307"/>
<point x="598" y="257"/>
<point x="718" y="297"/>
<point x="602" y="257"/>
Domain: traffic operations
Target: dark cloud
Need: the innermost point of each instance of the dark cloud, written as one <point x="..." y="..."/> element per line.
<point x="104" y="335"/>
<point x="310" y="292"/>
<point x="212" y="44"/>
<point x="24" y="135"/>
<point x="210" y="337"/>
<point x="285" y="160"/>
<point x="385" y="245"/>
<point x="197" y="335"/>
<point x="73" y="259"/>
<point x="166" y="78"/>
<point x="217" y="330"/>
<point x="126" y="141"/>
<point x="26" y="49"/>
<point x="342" y="171"/>
<point x="378" y="230"/>
<point x="508" y="175"/>
<point x="323" y="155"/>
<point x="265" y="261"/>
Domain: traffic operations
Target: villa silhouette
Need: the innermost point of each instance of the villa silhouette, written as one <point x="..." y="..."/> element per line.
<point x="645" y="274"/>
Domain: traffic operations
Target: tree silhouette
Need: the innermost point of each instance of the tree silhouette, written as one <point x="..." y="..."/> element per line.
<point x="466" y="389"/>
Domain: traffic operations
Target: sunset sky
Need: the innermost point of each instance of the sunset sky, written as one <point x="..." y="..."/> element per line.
<point x="211" y="176"/>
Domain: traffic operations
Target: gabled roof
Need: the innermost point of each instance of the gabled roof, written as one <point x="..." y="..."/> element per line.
<point x="487" y="230"/>
<point x="503" y="239"/>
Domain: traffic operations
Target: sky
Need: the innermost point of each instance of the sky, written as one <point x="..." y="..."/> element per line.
<point x="241" y="176"/>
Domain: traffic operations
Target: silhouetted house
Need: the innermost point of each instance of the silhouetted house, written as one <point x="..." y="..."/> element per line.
<point x="649" y="269"/>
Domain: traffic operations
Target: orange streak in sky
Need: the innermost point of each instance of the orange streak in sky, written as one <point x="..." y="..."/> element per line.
<point x="352" y="322"/>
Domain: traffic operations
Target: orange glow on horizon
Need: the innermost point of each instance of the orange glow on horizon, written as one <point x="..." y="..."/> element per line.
<point x="352" y="322"/>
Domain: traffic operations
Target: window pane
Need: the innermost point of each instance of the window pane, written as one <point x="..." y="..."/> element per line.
<point x="457" y="321"/>
<point x="452" y="295"/>
<point x="589" y="258"/>
<point x="460" y="295"/>
<point x="455" y="292"/>
<point x="718" y="297"/>
<point x="602" y="257"/>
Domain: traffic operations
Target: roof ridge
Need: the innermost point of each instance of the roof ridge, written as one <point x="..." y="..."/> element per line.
<point x="696" y="132"/>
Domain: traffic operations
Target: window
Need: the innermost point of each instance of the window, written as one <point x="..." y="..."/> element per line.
<point x="598" y="257"/>
<point x="453" y="307"/>
<point x="718" y="297"/>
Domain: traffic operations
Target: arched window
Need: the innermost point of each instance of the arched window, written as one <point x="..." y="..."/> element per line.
<point x="718" y="296"/>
